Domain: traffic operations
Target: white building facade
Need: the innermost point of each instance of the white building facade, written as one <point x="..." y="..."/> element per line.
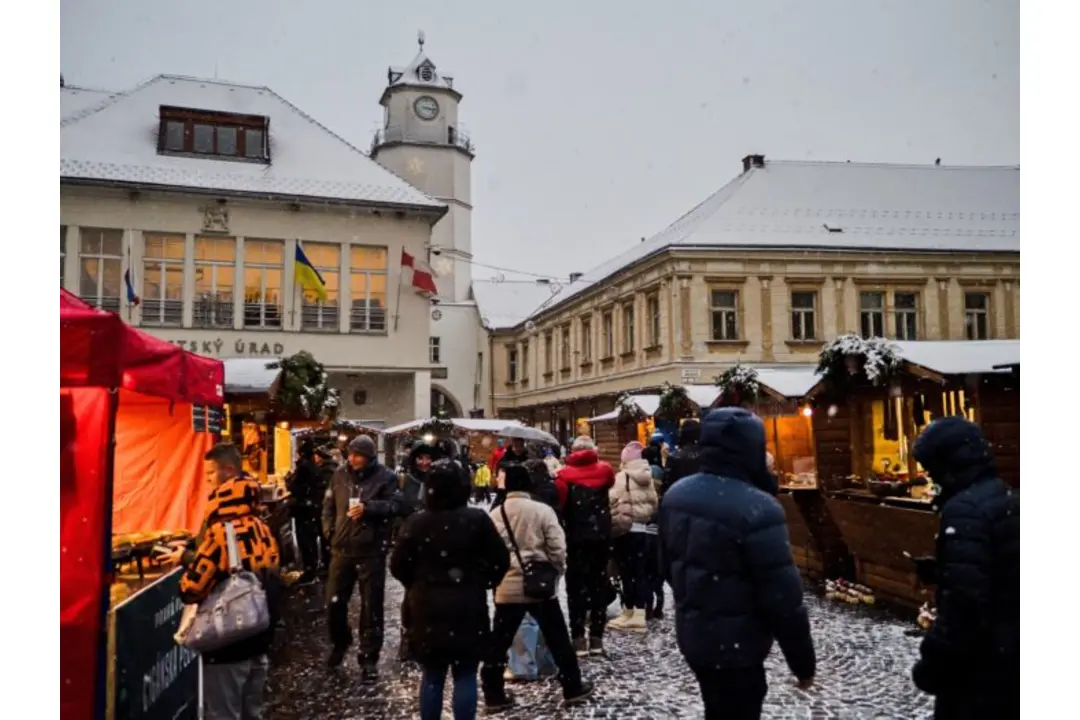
<point x="201" y="191"/>
<point x="423" y="142"/>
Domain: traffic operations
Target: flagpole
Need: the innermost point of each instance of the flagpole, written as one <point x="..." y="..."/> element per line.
<point x="130" y="279"/>
<point x="397" y="301"/>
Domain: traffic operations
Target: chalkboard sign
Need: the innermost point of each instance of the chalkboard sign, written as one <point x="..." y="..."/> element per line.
<point x="154" y="677"/>
<point x="215" y="419"/>
<point x="198" y="418"/>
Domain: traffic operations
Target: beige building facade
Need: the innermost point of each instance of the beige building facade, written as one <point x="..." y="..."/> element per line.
<point x="691" y="303"/>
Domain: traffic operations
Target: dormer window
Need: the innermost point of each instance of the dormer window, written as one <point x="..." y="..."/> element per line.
<point x="426" y="73"/>
<point x="216" y="134"/>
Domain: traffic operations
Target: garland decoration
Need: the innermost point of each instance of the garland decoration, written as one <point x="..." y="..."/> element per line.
<point x="303" y="392"/>
<point x="850" y="359"/>
<point x="675" y="404"/>
<point x="738" y="386"/>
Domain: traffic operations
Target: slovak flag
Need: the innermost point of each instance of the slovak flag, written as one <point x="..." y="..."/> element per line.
<point x="422" y="280"/>
<point x="129" y="285"/>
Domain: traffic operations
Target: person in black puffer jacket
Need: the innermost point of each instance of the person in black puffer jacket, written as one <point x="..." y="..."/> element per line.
<point x="448" y="558"/>
<point x="970" y="659"/>
<point x="686" y="460"/>
<point x="724" y="551"/>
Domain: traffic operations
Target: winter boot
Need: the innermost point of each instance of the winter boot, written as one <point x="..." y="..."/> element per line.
<point x="636" y="621"/>
<point x="580" y="648"/>
<point x="596" y="646"/>
<point x="337" y="656"/>
<point x="580" y="695"/>
<point x="619" y="622"/>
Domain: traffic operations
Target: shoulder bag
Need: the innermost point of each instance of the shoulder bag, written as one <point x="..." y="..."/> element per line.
<point x="235" y="610"/>
<point x="538" y="577"/>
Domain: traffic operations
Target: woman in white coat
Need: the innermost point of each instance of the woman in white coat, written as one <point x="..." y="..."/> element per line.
<point x="633" y="500"/>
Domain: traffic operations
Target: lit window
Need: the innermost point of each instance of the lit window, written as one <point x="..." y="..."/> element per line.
<point x="367" y="283"/>
<point x="215" y="272"/>
<point x="315" y="314"/>
<point x="163" y="280"/>
<point x="264" y="263"/>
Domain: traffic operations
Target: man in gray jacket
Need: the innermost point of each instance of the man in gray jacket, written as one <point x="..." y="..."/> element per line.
<point x="358" y="514"/>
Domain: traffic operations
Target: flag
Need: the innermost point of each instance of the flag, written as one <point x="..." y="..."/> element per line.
<point x="422" y="280"/>
<point x="129" y="284"/>
<point x="308" y="277"/>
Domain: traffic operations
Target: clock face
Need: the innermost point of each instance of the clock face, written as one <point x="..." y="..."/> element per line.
<point x="426" y="108"/>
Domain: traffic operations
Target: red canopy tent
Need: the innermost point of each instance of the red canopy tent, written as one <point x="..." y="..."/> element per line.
<point x="101" y="357"/>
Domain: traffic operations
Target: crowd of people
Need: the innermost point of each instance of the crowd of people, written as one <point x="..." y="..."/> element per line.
<point x="702" y="518"/>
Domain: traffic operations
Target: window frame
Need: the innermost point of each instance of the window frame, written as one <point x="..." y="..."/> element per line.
<point x="170" y="312"/>
<point x="975" y="313"/>
<point x="881" y="312"/>
<point x="262" y="305"/>
<point x="735" y="309"/>
<point x="565" y="355"/>
<point x="586" y="340"/>
<point x="511" y="364"/>
<point x="367" y="327"/>
<point x="549" y="353"/>
<point x="316" y="308"/>
<point x="801" y="315"/>
<point x="653" y="315"/>
<point x="915" y="314"/>
<point x="434" y="350"/>
<point x="241" y="123"/>
<point x="99" y="300"/>
<point x="218" y="303"/>
<point x="607" y="334"/>
<point x="524" y="361"/>
<point x="628" y="328"/>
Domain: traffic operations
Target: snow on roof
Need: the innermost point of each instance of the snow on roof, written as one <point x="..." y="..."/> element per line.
<point x="702" y="395"/>
<point x="420" y="72"/>
<point x="508" y="303"/>
<point x="469" y="424"/>
<point x="957" y="357"/>
<point x="792" y="382"/>
<point x="829" y="206"/>
<point x="250" y="375"/>
<point x="74" y="100"/>
<point x="115" y="141"/>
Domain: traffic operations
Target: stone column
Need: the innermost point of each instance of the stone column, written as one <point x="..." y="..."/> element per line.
<point x="238" y="286"/>
<point x="189" y="280"/>
<point x="422" y="394"/>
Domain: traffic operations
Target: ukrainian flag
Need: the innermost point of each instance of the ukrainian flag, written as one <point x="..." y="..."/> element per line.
<point x="308" y="277"/>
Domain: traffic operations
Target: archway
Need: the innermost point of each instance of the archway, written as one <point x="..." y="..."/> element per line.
<point x="442" y="405"/>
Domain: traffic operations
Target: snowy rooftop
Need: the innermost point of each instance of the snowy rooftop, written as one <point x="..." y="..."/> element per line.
<point x="114" y="140"/>
<point x="492" y="425"/>
<point x="957" y="357"/>
<point x="421" y="72"/>
<point x="832" y="206"/>
<point x="250" y="375"/>
<point x="793" y="382"/>
<point x="508" y="303"/>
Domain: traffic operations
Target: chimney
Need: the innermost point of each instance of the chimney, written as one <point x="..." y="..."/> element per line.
<point x="753" y="161"/>
<point x="574" y="277"/>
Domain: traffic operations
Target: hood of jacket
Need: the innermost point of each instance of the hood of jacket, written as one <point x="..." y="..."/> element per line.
<point x="232" y="499"/>
<point x="582" y="458"/>
<point x="639" y="471"/>
<point x="956" y="454"/>
<point x="733" y="445"/>
<point x="446" y="487"/>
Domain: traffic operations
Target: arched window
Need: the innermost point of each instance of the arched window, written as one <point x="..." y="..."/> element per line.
<point x="442" y="405"/>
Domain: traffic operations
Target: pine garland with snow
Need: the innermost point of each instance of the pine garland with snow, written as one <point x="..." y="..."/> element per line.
<point x="436" y="426"/>
<point x="675" y="403"/>
<point x="738" y="385"/>
<point x="850" y="358"/>
<point x="303" y="392"/>
<point x="628" y="409"/>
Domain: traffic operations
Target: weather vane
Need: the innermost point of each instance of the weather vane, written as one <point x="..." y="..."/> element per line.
<point x="420" y="39"/>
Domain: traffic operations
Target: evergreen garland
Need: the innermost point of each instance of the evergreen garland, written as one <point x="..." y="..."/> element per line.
<point x="738" y="385"/>
<point x="675" y="403"/>
<point x="628" y="409"/>
<point x="303" y="392"/>
<point x="437" y="427"/>
<point x="851" y="359"/>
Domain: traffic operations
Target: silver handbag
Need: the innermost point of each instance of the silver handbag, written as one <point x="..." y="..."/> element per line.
<point x="235" y="610"/>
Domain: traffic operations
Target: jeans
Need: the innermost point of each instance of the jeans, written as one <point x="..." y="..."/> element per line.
<point x="630" y="557"/>
<point x="432" y="682"/>
<point x="549" y="616"/>
<point x="732" y="693"/>
<point x="234" y="691"/>
<point x="345" y="574"/>
<point x="587" y="587"/>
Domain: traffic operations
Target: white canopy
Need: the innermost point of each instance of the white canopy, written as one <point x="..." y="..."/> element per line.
<point x="467" y="424"/>
<point x="959" y="357"/>
<point x="250" y="375"/>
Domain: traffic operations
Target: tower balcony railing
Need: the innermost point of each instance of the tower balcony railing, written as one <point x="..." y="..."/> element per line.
<point x="399" y="133"/>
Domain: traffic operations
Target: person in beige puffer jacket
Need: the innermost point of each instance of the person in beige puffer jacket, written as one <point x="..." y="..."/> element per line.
<point x="633" y="500"/>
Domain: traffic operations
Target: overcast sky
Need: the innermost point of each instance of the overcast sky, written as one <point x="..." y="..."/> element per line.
<point x="598" y="122"/>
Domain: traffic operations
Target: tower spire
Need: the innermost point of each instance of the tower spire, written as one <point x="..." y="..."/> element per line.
<point x="420" y="39"/>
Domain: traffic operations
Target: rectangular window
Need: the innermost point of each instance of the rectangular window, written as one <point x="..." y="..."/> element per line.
<point x="101" y="267"/>
<point x="564" y="347"/>
<point x="316" y="315"/>
<point x="511" y="365"/>
<point x="548" y="340"/>
<point x="977" y="315"/>
<point x="215" y="270"/>
<point x="367" y="282"/>
<point x="163" y="280"/>
<point x="525" y="361"/>
<point x="223" y="135"/>
<point x="434" y="351"/>
<point x="803" y="316"/>
<point x="652" y="310"/>
<point x="872" y="314"/>
<point x="264" y="269"/>
<point x="607" y="334"/>
<point x="63" y="252"/>
<point x="724" y="307"/>
<point x="906" y="311"/>
<point x="586" y="339"/>
<point x="628" y="328"/>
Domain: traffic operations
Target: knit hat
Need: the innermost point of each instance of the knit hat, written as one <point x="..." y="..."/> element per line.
<point x="583" y="442"/>
<point x="362" y="445"/>
<point x="632" y="451"/>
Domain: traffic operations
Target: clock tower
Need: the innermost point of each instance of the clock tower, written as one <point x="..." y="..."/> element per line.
<point x="422" y="142"/>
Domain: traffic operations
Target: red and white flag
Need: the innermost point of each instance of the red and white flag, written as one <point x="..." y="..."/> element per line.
<point x="422" y="280"/>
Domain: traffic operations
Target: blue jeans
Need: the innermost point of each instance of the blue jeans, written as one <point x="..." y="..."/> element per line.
<point x="431" y="691"/>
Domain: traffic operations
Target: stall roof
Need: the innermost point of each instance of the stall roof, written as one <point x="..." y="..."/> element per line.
<point x="959" y="357"/>
<point x="470" y="424"/>
<point x="703" y="395"/>
<point x="251" y="376"/>
<point x="794" y="382"/>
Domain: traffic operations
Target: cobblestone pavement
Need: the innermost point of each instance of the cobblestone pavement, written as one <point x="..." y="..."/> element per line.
<point x="864" y="663"/>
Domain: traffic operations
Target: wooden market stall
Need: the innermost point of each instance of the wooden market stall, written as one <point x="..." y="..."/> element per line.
<point x="871" y="404"/>
<point x="478" y="433"/>
<point x="127" y="439"/>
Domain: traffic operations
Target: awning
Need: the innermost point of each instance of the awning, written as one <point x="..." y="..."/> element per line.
<point x="252" y="376"/>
